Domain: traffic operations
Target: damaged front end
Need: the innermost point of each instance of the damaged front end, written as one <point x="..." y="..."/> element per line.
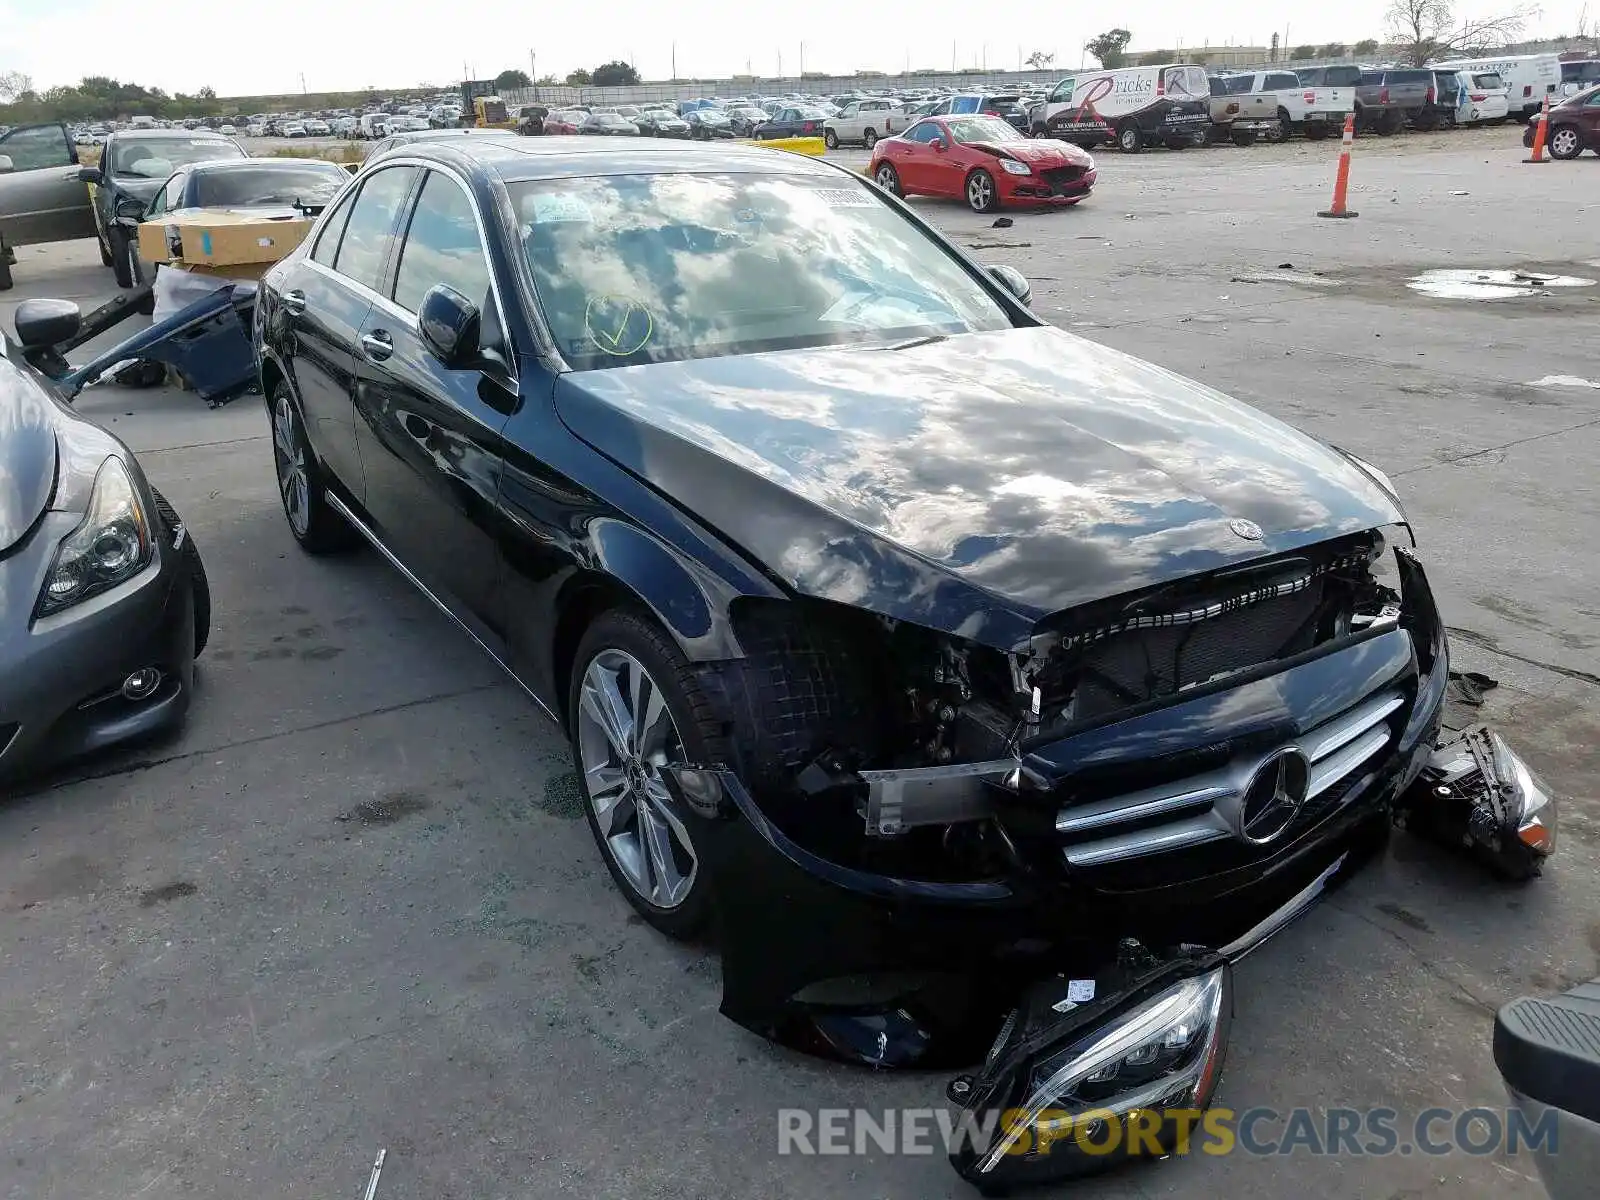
<point x="994" y="843"/>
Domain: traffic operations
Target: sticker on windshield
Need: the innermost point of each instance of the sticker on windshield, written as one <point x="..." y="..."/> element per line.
<point x="206" y="142"/>
<point x="844" y="197"/>
<point x="550" y="208"/>
<point x="617" y="326"/>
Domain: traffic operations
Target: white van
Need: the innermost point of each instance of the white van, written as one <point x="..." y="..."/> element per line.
<point x="1131" y="106"/>
<point x="1529" y="78"/>
<point x="373" y="125"/>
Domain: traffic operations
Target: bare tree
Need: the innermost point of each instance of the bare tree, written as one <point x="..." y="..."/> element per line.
<point x="1423" y="30"/>
<point x="13" y="85"/>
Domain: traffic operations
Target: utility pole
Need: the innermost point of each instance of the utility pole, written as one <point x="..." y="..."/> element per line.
<point x="802" y="60"/>
<point x="780" y="64"/>
<point x="674" y="60"/>
<point x="952" y="57"/>
<point x="303" y="91"/>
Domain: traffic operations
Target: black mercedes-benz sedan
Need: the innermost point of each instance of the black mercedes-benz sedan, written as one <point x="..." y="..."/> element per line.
<point x="932" y="651"/>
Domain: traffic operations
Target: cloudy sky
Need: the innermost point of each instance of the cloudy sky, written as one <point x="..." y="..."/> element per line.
<point x="245" y="49"/>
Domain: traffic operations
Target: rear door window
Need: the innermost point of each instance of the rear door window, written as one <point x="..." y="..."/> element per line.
<point x="371" y="225"/>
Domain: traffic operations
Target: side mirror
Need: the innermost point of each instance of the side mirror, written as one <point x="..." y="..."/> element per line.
<point x="5" y="164"/>
<point x="90" y="175"/>
<point x="1014" y="281"/>
<point x="46" y="322"/>
<point x="940" y="144"/>
<point x="129" y="209"/>
<point x="448" y="323"/>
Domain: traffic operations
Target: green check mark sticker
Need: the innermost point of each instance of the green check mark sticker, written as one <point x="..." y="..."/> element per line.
<point x="617" y="326"/>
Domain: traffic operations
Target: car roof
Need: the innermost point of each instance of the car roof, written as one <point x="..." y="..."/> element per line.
<point x="244" y="165"/>
<point x="517" y="159"/>
<point x="166" y="135"/>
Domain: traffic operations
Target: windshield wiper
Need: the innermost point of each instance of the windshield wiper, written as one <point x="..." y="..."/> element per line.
<point x="913" y="343"/>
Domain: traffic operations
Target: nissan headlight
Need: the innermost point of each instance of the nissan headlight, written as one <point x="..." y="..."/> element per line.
<point x="111" y="545"/>
<point x="1128" y="1077"/>
<point x="1012" y="167"/>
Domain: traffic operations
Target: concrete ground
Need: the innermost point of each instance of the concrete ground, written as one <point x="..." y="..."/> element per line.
<point x="353" y="905"/>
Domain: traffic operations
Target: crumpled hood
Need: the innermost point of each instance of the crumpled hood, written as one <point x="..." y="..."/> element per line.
<point x="1043" y="153"/>
<point x="972" y="484"/>
<point x="27" y="456"/>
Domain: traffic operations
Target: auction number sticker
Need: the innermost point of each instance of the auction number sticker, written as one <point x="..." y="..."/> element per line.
<point x="844" y="197"/>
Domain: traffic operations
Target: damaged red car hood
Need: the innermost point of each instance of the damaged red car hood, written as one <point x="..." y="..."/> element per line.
<point x="1042" y="154"/>
<point x="973" y="483"/>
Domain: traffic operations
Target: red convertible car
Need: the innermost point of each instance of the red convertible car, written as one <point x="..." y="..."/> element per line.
<point x="984" y="160"/>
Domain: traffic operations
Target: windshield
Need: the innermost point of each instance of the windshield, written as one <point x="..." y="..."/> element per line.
<point x="1580" y="72"/>
<point x="268" y="186"/>
<point x="152" y="158"/>
<point x="984" y="129"/>
<point x="656" y="268"/>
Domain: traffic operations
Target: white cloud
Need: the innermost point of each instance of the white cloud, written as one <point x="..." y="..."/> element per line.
<point x="183" y="45"/>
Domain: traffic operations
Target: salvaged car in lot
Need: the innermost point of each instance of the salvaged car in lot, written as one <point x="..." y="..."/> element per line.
<point x="983" y="160"/>
<point x="982" y="686"/>
<point x="1574" y="126"/>
<point x="41" y="197"/>
<point x="104" y="602"/>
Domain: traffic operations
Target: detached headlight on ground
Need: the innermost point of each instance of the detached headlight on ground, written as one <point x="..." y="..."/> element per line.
<point x="110" y="546"/>
<point x="1151" y="1048"/>
<point x="1012" y="167"/>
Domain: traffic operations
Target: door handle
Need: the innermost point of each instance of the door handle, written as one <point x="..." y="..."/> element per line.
<point x="377" y="345"/>
<point x="294" y="302"/>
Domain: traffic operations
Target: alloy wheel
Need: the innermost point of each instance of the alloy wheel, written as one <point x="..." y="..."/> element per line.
<point x="625" y="735"/>
<point x="980" y="192"/>
<point x="1564" y="142"/>
<point x="886" y="178"/>
<point x="289" y="457"/>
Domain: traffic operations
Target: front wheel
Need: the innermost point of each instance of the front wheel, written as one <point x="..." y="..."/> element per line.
<point x="830" y="139"/>
<point x="1130" y="139"/>
<point x="121" y="255"/>
<point x="888" y="179"/>
<point x="1565" y="143"/>
<point x="314" y="523"/>
<point x="982" y="196"/>
<point x="635" y="707"/>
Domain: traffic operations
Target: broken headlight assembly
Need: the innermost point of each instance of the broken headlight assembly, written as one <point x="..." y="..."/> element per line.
<point x="1476" y="793"/>
<point x="1074" y="1085"/>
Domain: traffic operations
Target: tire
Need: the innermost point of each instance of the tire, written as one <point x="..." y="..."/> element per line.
<point x="105" y="250"/>
<point x="888" y="179"/>
<point x="869" y="139"/>
<point x="1565" y="142"/>
<point x="121" y="255"/>
<point x="981" y="193"/>
<point x="1243" y="137"/>
<point x="619" y="649"/>
<point x="830" y="139"/>
<point x="315" y="525"/>
<point x="201" y="589"/>
<point x="1130" y="138"/>
<point x="1038" y="129"/>
<point x="5" y="272"/>
<point x="199" y="585"/>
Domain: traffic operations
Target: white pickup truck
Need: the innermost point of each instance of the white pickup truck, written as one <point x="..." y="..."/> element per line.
<point x="864" y="121"/>
<point x="1314" y="110"/>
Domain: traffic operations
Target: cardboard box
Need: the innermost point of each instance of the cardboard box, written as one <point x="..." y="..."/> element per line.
<point x="220" y="237"/>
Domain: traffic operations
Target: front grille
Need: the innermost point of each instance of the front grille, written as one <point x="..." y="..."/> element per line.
<point x="1061" y="177"/>
<point x="1185" y="813"/>
<point x="1146" y="664"/>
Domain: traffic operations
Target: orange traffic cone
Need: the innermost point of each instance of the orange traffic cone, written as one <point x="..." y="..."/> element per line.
<point x="1539" y="132"/>
<point x="1341" y="181"/>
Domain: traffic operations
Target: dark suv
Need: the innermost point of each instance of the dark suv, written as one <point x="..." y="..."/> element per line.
<point x="1387" y="100"/>
<point x="133" y="166"/>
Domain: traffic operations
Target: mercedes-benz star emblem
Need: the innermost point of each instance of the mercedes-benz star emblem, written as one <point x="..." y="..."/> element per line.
<point x="1248" y="530"/>
<point x="1274" y="797"/>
